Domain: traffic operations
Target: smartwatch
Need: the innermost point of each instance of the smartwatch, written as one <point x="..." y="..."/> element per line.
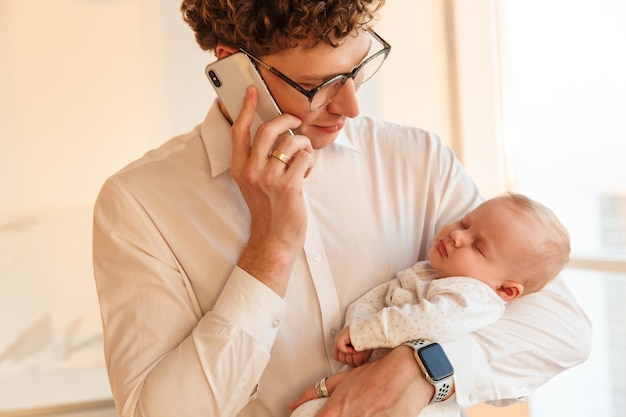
<point x="435" y="365"/>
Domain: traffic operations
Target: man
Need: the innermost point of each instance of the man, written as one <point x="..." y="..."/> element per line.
<point x="224" y="263"/>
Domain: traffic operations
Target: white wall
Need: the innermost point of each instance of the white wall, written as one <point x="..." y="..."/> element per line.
<point x="414" y="86"/>
<point x="86" y="87"/>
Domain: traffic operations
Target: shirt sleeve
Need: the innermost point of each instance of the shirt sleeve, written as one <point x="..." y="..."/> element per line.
<point x="538" y="336"/>
<point x="164" y="356"/>
<point x="438" y="310"/>
<point x="369" y="303"/>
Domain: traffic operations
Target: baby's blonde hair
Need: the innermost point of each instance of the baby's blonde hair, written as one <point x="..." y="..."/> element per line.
<point x="552" y="252"/>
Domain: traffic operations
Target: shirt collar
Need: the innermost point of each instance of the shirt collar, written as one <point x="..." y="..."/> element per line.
<point x="215" y="131"/>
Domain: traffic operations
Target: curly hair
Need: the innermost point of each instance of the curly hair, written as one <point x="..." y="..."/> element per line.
<point x="262" y="27"/>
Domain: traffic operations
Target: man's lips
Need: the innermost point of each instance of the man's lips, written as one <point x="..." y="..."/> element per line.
<point x="441" y="248"/>
<point x="333" y="128"/>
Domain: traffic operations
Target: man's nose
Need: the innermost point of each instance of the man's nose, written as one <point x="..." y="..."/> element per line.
<point x="345" y="102"/>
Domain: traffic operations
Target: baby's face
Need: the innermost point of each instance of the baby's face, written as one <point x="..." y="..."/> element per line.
<point x="488" y="243"/>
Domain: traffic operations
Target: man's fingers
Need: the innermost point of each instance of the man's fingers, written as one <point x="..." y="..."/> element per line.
<point x="240" y="130"/>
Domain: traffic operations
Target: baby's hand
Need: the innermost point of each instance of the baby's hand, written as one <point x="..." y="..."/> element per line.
<point x="344" y="352"/>
<point x="342" y="343"/>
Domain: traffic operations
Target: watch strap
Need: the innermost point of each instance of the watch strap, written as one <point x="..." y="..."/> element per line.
<point x="442" y="388"/>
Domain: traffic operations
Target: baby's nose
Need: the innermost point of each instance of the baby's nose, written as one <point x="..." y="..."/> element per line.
<point x="459" y="237"/>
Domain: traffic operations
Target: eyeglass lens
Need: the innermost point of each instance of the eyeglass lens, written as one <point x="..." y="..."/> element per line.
<point x="329" y="90"/>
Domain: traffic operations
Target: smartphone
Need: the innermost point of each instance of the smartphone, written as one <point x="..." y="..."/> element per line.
<point x="230" y="77"/>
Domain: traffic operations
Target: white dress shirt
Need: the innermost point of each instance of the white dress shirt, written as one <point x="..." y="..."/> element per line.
<point x="188" y="333"/>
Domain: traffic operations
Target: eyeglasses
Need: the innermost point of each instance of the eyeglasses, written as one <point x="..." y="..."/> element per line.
<point x="324" y="93"/>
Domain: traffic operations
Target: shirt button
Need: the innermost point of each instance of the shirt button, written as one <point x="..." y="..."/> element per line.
<point x="317" y="257"/>
<point x="275" y="323"/>
<point x="333" y="332"/>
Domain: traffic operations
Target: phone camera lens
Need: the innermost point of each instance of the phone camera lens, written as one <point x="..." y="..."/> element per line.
<point x="213" y="76"/>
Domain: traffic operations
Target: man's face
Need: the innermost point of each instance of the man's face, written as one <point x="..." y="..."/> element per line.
<point x="310" y="68"/>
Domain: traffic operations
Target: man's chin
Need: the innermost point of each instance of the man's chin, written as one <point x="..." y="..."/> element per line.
<point x="320" y="138"/>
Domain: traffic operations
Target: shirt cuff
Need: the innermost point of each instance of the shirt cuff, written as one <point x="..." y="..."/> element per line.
<point x="251" y="306"/>
<point x="470" y="369"/>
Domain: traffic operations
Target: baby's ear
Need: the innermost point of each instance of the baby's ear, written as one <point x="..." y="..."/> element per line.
<point x="510" y="290"/>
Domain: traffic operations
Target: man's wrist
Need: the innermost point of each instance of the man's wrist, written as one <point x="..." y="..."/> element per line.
<point x="435" y="367"/>
<point x="271" y="267"/>
<point x="424" y="390"/>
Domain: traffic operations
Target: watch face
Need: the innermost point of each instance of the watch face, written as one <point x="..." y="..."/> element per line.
<point x="436" y="362"/>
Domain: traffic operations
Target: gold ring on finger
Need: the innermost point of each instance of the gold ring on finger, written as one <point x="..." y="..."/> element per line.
<point x="281" y="157"/>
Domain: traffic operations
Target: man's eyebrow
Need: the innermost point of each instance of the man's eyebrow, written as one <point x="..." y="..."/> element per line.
<point x="317" y="78"/>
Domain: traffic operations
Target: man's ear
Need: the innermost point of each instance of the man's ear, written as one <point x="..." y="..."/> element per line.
<point x="222" y="51"/>
<point x="510" y="290"/>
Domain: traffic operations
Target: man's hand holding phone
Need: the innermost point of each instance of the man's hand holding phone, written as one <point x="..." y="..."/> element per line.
<point x="273" y="191"/>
